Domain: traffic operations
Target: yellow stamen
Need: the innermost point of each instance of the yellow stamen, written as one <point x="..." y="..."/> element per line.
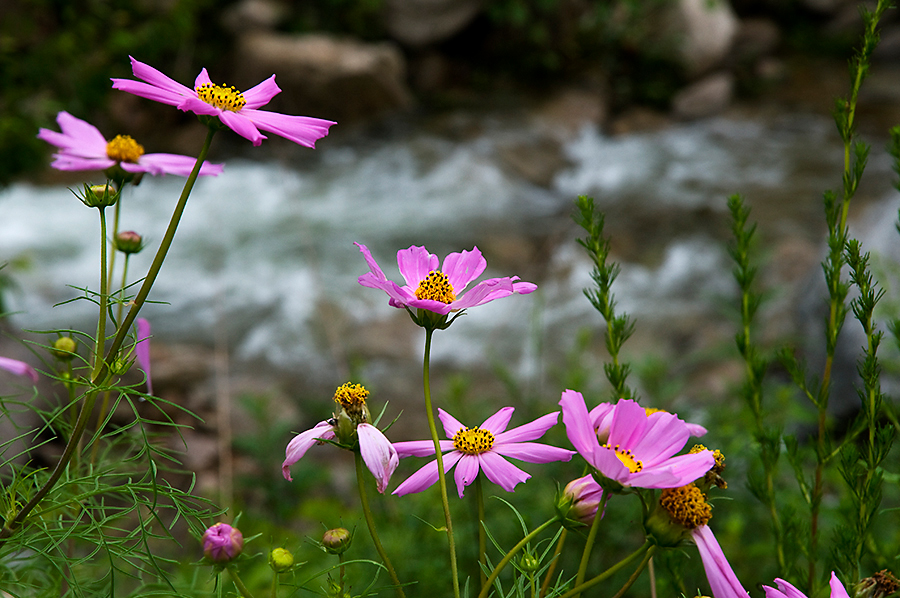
<point x="651" y="410"/>
<point x="436" y="286"/>
<point x="627" y="458"/>
<point x="474" y="441"/>
<point x="124" y="149"/>
<point x="352" y="398"/>
<point x="686" y="505"/>
<point x="719" y="465"/>
<point x="221" y="96"/>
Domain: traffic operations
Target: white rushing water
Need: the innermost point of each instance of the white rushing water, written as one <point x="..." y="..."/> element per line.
<point x="263" y="247"/>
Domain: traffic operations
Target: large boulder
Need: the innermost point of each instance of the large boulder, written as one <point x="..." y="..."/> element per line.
<point x="326" y="77"/>
<point x="419" y="23"/>
<point x="703" y="31"/>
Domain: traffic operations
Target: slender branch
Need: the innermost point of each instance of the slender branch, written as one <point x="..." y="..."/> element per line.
<point x="578" y="589"/>
<point x="370" y="523"/>
<point x="482" y="535"/>
<point x="592" y="537"/>
<point x="509" y="555"/>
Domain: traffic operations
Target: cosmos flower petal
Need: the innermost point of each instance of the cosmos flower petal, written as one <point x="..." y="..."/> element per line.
<point x="420" y="448"/>
<point x="500" y="471"/>
<point x="466" y="472"/>
<point x="79" y="137"/>
<point x="378" y="454"/>
<point x="628" y="425"/>
<point x="530" y="431"/>
<point x="785" y="590"/>
<point x="677" y="471"/>
<point x="302" y="130"/>
<point x="71" y="163"/>
<point x="578" y="427"/>
<point x="301" y="443"/>
<point x="242" y="126"/>
<point x="427" y="475"/>
<point x="19" y="368"/>
<point x="147" y="73"/>
<point x="261" y="93"/>
<point x="150" y="92"/>
<point x="520" y="287"/>
<point x="533" y="452"/>
<point x="142" y="350"/>
<point x="483" y="292"/>
<point x="837" y="588"/>
<point x="202" y="79"/>
<point x="722" y="580"/>
<point x="450" y="423"/>
<point x="464" y="267"/>
<point x="497" y="423"/>
<point x="173" y="164"/>
<point x="696" y="430"/>
<point x="415" y="263"/>
<point x="663" y="437"/>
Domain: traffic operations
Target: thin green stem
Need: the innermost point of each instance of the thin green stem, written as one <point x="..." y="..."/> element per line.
<point x="274" y="592"/>
<point x="482" y="535"/>
<point x="592" y="537"/>
<point x="509" y="555"/>
<point x="552" y="568"/>
<point x="442" y="478"/>
<point x="342" y="570"/>
<point x="115" y="231"/>
<point x="647" y="560"/>
<point x="238" y="583"/>
<point x="100" y="341"/>
<point x="578" y="589"/>
<point x="370" y="523"/>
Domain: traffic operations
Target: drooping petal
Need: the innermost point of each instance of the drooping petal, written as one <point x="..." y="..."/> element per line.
<point x="147" y="73"/>
<point x="375" y="279"/>
<point x="500" y="471"/>
<point x="142" y="350"/>
<point x="151" y="92"/>
<point x="174" y="164"/>
<point x="19" y="368"/>
<point x="497" y="423"/>
<point x="69" y="162"/>
<point x="533" y="452"/>
<point x="420" y="448"/>
<point x="722" y="580"/>
<point x="578" y="425"/>
<point x="378" y="454"/>
<point x="261" y="93"/>
<point x="785" y="590"/>
<point x="530" y="431"/>
<point x="484" y="292"/>
<point x="522" y="287"/>
<point x="241" y="125"/>
<point x="427" y="475"/>
<point x="415" y="263"/>
<point x="464" y="267"/>
<point x="301" y="443"/>
<point x="837" y="588"/>
<point x="450" y="423"/>
<point x="676" y="472"/>
<point x="303" y="130"/>
<point x="466" y="472"/>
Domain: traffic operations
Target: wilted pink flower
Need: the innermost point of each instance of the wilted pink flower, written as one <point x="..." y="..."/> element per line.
<point x="640" y="450"/>
<point x="601" y="418"/>
<point x="238" y="111"/>
<point x="786" y="590"/>
<point x="482" y="448"/>
<point x="83" y="147"/>
<point x="222" y="543"/>
<point x="20" y="368"/>
<point x="440" y="289"/>
<point x="142" y="350"/>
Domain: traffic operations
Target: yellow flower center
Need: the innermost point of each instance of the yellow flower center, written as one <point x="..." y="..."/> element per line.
<point x="627" y="458"/>
<point x="686" y="505"/>
<point x="436" y="286"/>
<point x="352" y="398"/>
<point x="651" y="410"/>
<point x="221" y="96"/>
<point x="474" y="441"/>
<point x="124" y="149"/>
<point x="719" y="465"/>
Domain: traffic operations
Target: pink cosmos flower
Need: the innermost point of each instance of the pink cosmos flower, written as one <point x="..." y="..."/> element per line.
<point x="142" y="350"/>
<point x="602" y="414"/>
<point x="377" y="451"/>
<point x="722" y="580"/>
<point x="436" y="288"/>
<point x="238" y="111"/>
<point x="482" y="448"/>
<point x="222" y="543"/>
<point x="786" y="590"/>
<point x="641" y="448"/>
<point x="83" y="147"/>
<point x="19" y="368"/>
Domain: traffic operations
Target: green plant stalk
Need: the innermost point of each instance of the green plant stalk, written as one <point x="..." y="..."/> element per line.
<point x="592" y="537"/>
<point x="552" y="568"/>
<point x="442" y="477"/>
<point x="102" y="372"/>
<point x="100" y="341"/>
<point x="341" y="572"/>
<point x="238" y="583"/>
<point x="370" y="523"/>
<point x="646" y="560"/>
<point x="482" y="535"/>
<point x="509" y="555"/>
<point x="115" y="232"/>
<point x="578" y="589"/>
<point x="274" y="592"/>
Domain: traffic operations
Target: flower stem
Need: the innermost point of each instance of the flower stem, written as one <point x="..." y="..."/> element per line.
<point x="370" y="523"/>
<point x="238" y="583"/>
<point x="482" y="536"/>
<point x="100" y="341"/>
<point x="579" y="588"/>
<point x="589" y="544"/>
<point x="552" y="568"/>
<point x="442" y="478"/>
<point x="509" y="555"/>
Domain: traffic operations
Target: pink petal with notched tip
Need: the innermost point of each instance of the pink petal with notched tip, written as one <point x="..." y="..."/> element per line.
<point x="261" y="93"/>
<point x="303" y="130"/>
<point x="420" y="448"/>
<point x="415" y="264"/>
<point x="377" y="453"/>
<point x="498" y="422"/>
<point x="501" y="472"/>
<point x="450" y="423"/>
<point x="463" y="267"/>
<point x="242" y="126"/>
<point x="530" y="431"/>
<point x="174" y="164"/>
<point x="466" y="472"/>
<point x="533" y="452"/>
<point x="722" y="580"/>
<point x="301" y="443"/>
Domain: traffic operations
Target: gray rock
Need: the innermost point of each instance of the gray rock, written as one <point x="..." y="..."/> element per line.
<point x="327" y="77"/>
<point x="706" y="97"/>
<point x="420" y="23"/>
<point x="703" y="30"/>
<point x="249" y="15"/>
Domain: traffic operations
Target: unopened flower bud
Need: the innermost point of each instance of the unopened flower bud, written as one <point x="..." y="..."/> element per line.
<point x="579" y="502"/>
<point x="222" y="543"/>
<point x="64" y="348"/>
<point x="529" y="563"/>
<point x="337" y="540"/>
<point x="129" y="242"/>
<point x="99" y="196"/>
<point x="281" y="560"/>
<point x="120" y="366"/>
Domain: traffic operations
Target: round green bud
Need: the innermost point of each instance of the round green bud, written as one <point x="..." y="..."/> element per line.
<point x="64" y="348"/>
<point x="129" y="242"/>
<point x="280" y="559"/>
<point x="337" y="540"/>
<point x="529" y="563"/>
<point x="99" y="196"/>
